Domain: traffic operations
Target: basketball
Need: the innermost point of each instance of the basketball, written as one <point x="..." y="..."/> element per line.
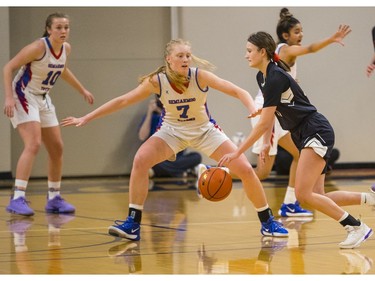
<point x="215" y="184"/>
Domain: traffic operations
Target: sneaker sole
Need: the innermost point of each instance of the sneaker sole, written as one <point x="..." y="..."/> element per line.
<point x="288" y="214"/>
<point x="16" y="213"/>
<point x="114" y="231"/>
<point x="267" y="234"/>
<point x="367" y="236"/>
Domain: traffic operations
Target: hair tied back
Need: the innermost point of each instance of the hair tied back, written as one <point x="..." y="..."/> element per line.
<point x="276" y="57"/>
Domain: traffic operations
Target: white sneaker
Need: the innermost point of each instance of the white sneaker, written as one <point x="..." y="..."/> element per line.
<point x="356" y="235"/>
<point x="199" y="171"/>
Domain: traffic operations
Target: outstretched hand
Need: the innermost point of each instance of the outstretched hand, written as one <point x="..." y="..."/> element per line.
<point x="73" y="121"/>
<point x="340" y="34"/>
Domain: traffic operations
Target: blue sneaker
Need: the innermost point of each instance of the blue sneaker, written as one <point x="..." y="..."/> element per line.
<point x="59" y="206"/>
<point x="19" y="206"/>
<point x="294" y="210"/>
<point x="126" y="229"/>
<point x="273" y="228"/>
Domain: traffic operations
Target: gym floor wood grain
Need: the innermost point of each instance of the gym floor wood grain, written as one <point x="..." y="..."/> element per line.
<point x="181" y="234"/>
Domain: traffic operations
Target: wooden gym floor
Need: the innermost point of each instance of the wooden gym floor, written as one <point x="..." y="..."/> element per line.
<point x="181" y="234"/>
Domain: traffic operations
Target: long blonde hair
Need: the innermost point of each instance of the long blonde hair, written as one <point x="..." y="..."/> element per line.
<point x="178" y="80"/>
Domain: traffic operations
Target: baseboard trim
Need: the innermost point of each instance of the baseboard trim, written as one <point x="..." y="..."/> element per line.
<point x="6" y="176"/>
<point x="365" y="165"/>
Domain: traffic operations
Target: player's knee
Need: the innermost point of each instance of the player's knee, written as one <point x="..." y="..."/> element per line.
<point x="302" y="197"/>
<point x="141" y="161"/>
<point x="33" y="147"/>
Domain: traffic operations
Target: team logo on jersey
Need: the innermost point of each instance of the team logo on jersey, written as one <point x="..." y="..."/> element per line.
<point x="287" y="96"/>
<point x="278" y="113"/>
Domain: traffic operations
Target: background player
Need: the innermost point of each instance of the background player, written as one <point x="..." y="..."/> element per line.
<point x="30" y="109"/>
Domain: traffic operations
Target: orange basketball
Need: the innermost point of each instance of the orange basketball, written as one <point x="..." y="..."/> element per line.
<point x="215" y="184"/>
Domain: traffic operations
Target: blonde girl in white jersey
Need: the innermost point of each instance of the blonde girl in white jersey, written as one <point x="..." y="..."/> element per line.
<point x="29" y="106"/>
<point x="186" y="123"/>
<point x="290" y="34"/>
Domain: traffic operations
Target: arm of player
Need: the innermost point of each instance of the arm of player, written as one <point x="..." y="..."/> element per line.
<point x="288" y="52"/>
<point x="72" y="80"/>
<point x="142" y="92"/>
<point x="370" y="68"/>
<point x="209" y="79"/>
<point x="265" y="123"/>
<point x="31" y="52"/>
<point x="145" y="129"/>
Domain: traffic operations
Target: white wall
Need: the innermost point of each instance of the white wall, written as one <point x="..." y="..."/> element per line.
<point x="334" y="79"/>
<point x="5" y="127"/>
<point x="113" y="46"/>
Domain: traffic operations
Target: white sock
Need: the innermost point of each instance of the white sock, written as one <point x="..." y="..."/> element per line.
<point x="262" y="208"/>
<point x="344" y="216"/>
<point x="367" y="199"/>
<point x="135" y="206"/>
<point x="18" y="193"/>
<point x="290" y="196"/>
<point x="53" y="189"/>
<point x="20" y="188"/>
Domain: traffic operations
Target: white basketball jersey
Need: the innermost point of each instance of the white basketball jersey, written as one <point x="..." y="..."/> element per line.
<point x="184" y="111"/>
<point x="38" y="77"/>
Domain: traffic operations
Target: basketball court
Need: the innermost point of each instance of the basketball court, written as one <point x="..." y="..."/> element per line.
<point x="181" y="234"/>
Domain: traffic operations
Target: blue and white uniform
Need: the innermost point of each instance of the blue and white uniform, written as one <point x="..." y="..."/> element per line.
<point x="31" y="88"/>
<point x="278" y="132"/>
<point x="185" y="120"/>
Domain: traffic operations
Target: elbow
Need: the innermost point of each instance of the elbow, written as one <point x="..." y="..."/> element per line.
<point x="311" y="49"/>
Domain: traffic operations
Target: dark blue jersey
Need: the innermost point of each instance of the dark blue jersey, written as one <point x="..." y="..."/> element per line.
<point x="281" y="90"/>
